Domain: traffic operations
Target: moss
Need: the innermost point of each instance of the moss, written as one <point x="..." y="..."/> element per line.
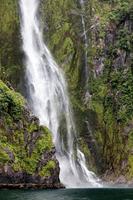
<point x="48" y="168"/>
<point x="10" y="53"/>
<point x="4" y="158"/>
<point x="28" y="159"/>
<point x="110" y="108"/>
<point x="11" y="102"/>
<point x="32" y="127"/>
<point x="111" y="89"/>
<point x="90" y="160"/>
<point x="121" y="10"/>
<point x="20" y="135"/>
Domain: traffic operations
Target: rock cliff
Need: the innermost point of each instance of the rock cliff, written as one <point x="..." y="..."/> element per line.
<point x="27" y="154"/>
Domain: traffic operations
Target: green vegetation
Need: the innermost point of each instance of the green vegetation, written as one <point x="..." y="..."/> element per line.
<point x="48" y="168"/>
<point x="22" y="140"/>
<point x="10" y="50"/>
<point x="109" y="112"/>
<point x="112" y="92"/>
<point x="11" y="103"/>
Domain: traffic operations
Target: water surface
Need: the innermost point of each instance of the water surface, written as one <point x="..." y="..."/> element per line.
<point x="68" y="194"/>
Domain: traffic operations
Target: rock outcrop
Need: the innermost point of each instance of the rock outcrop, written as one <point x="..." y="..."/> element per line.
<point x="27" y="154"/>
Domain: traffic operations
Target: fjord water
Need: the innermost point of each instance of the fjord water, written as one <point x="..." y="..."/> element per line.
<point x="68" y="194"/>
<point x="49" y="101"/>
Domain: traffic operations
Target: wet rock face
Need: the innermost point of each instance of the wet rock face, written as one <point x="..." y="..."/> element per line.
<point x="9" y="177"/>
<point x="27" y="153"/>
<point x="99" y="64"/>
<point x="110" y="60"/>
<point x="111" y="92"/>
<point x="109" y="31"/>
<point x="120" y="61"/>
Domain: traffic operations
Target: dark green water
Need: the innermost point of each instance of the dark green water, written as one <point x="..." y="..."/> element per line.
<point x="68" y="194"/>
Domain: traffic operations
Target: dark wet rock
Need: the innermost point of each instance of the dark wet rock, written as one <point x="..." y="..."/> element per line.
<point x="15" y="179"/>
<point x="109" y="38"/>
<point x="11" y="179"/>
<point x="127" y="129"/>
<point x="120" y="61"/>
<point x="31" y="186"/>
<point x="99" y="65"/>
<point x="121" y="180"/>
<point x="46" y="156"/>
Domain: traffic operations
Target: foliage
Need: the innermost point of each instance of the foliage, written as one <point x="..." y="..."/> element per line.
<point x="10" y="52"/>
<point x="22" y="140"/>
<point x="48" y="168"/>
<point x="10" y="102"/>
<point x="108" y="111"/>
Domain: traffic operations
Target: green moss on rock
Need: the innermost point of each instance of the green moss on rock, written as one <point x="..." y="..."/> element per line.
<point x="23" y="142"/>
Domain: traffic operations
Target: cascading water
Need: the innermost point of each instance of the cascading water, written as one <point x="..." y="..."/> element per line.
<point x="84" y="35"/>
<point x="49" y="100"/>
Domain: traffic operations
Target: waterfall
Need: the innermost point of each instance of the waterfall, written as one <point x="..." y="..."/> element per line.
<point x="84" y="35"/>
<point x="48" y="98"/>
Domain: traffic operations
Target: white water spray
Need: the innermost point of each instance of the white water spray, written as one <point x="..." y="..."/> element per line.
<point x="49" y="100"/>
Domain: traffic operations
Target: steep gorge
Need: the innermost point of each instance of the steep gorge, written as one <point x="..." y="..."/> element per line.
<point x="103" y="117"/>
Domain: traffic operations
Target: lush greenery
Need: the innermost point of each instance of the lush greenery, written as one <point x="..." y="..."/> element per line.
<point x="10" y="48"/>
<point x="22" y="140"/>
<point x="104" y="118"/>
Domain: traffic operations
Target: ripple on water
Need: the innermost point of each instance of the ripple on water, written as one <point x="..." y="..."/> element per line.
<point x="68" y="194"/>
